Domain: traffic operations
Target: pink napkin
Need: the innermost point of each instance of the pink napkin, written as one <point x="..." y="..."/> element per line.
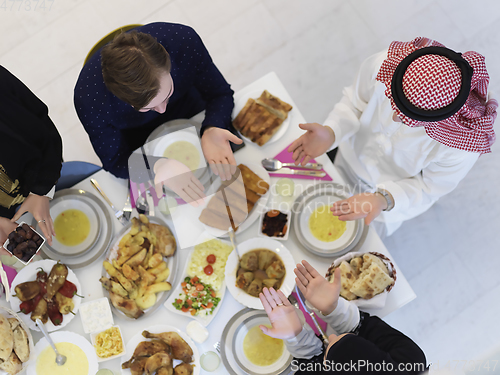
<point x="308" y="317"/>
<point x="136" y="189"/>
<point x="11" y="273"/>
<point x="286" y="157"/>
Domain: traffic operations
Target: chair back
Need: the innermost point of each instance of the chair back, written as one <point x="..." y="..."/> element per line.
<point x="108" y="38"/>
<point x="72" y="172"/>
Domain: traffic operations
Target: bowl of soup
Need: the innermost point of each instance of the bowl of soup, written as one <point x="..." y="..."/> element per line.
<point x="183" y="146"/>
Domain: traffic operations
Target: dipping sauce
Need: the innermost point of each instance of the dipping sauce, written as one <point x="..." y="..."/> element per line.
<point x="76" y="362"/>
<point x="72" y="227"/>
<point x="261" y="349"/>
<point x="324" y="226"/>
<point x="185" y="152"/>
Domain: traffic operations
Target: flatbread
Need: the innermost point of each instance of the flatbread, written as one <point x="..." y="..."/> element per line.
<point x="368" y="259"/>
<point x="347" y="277"/>
<point x="371" y="282"/>
<point x="12" y="365"/>
<point x="21" y="344"/>
<point x="6" y="339"/>
<point x="252" y="181"/>
<point x="356" y="264"/>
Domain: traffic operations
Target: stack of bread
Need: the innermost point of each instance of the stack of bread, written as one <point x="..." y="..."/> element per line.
<point x="14" y="345"/>
<point x="261" y="118"/>
<point x="363" y="277"/>
<point x="232" y="203"/>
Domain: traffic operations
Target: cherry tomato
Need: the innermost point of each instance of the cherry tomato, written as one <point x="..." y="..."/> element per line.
<point x="210" y="305"/>
<point x="194" y="279"/>
<point x="184" y="309"/>
<point x="208" y="270"/>
<point x="179" y="301"/>
<point x="211" y="259"/>
<point x="200" y="287"/>
<point x="189" y="302"/>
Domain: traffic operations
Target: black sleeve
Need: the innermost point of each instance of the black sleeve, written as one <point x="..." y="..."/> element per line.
<point x="400" y="347"/>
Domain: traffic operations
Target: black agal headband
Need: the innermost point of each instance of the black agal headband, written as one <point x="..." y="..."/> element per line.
<point x="426" y="115"/>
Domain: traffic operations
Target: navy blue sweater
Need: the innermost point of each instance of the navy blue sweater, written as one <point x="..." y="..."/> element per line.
<point x="116" y="129"/>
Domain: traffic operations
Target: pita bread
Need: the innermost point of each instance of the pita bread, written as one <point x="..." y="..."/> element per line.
<point x="12" y="365"/>
<point x="356" y="264"/>
<point x="21" y="344"/>
<point x="371" y="282"/>
<point x="14" y="323"/>
<point x="368" y="259"/>
<point x="347" y="277"/>
<point x="6" y="339"/>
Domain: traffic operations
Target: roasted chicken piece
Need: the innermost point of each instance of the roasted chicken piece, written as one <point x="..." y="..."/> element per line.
<point x="156" y="361"/>
<point x="165" y="240"/>
<point x="180" y="348"/>
<point x="149" y="348"/>
<point x="127" y="306"/>
<point x="169" y="370"/>
<point x="183" y="369"/>
<point x="136" y="365"/>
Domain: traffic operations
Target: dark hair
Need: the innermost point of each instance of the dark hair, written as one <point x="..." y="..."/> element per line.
<point x="132" y="64"/>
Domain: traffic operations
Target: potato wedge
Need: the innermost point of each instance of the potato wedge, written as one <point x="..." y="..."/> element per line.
<point x="159" y="287"/>
<point x="155" y="260"/>
<point x="162" y="276"/>
<point x="144" y="219"/>
<point x="158" y="269"/>
<point x="146" y="277"/>
<point x="113" y="272"/>
<point x="113" y="286"/>
<point x="146" y="301"/>
<point x="130" y="273"/>
<point x="137" y="258"/>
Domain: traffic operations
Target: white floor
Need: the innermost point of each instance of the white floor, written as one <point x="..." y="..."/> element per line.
<point x="450" y="254"/>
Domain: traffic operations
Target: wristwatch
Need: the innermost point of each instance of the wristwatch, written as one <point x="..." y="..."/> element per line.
<point x="388" y="197"/>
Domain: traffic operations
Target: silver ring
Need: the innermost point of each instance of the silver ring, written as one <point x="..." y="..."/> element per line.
<point x="41" y="221"/>
<point x="279" y="304"/>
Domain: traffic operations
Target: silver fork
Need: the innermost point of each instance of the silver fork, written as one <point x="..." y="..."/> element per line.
<point x="217" y="346"/>
<point x="127" y="208"/>
<point x="118" y="213"/>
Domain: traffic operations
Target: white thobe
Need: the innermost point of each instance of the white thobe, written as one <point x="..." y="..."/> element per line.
<point x="377" y="152"/>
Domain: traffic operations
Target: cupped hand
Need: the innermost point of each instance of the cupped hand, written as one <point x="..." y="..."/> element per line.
<point x="179" y="178"/>
<point x="284" y="319"/>
<point x="39" y="207"/>
<point x="217" y="150"/>
<point x="364" y="205"/>
<point x="6" y="226"/>
<point x="322" y="294"/>
<point x="315" y="142"/>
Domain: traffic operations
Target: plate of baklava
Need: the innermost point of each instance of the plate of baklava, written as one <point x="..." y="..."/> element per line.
<point x="261" y="117"/>
<point x="236" y="203"/>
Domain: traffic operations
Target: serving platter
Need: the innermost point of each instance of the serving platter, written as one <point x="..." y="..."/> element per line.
<point x="74" y="198"/>
<point x="325" y="194"/>
<point x="232" y="266"/>
<point x="138" y="338"/>
<point x="172" y="264"/>
<point x="28" y="273"/>
<point x="232" y="354"/>
<point x="240" y="103"/>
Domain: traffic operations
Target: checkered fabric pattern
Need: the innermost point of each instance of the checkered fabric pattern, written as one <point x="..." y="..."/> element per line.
<point x="432" y="82"/>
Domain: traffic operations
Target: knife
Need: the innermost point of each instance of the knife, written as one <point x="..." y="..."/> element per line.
<point x="118" y="213"/>
<point x="302" y="173"/>
<point x="311" y="314"/>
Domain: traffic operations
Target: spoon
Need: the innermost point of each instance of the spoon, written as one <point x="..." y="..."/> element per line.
<point x="141" y="205"/>
<point x="232" y="237"/>
<point x="295" y="303"/>
<point x="274" y="165"/>
<point x="60" y="359"/>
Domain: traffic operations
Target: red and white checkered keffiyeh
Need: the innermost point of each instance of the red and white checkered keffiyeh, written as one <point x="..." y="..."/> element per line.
<point x="432" y="82"/>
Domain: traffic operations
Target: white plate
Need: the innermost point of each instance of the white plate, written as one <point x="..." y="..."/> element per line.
<point x="239" y="354"/>
<point x="138" y="338"/>
<point x="238" y="106"/>
<point x="204" y="320"/>
<point x="171" y="264"/>
<point x="84" y="206"/>
<point x="253" y="215"/>
<point x="180" y="135"/>
<point x="71" y="337"/>
<point x="253" y="244"/>
<point x="28" y="273"/>
<point x="8" y="313"/>
<point x="312" y="205"/>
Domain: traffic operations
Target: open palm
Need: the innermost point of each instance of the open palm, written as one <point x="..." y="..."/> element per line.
<point x="284" y="319"/>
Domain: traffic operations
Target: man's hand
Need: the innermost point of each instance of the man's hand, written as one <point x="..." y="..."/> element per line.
<point x="218" y="153"/>
<point x="284" y="319"/>
<point x="179" y="178"/>
<point x="39" y="207"/>
<point x="364" y="205"/>
<point x="315" y="142"/>
<point x="6" y="226"/>
<point x="321" y="293"/>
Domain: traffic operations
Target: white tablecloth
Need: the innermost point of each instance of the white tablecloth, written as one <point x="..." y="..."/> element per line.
<point x="116" y="190"/>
